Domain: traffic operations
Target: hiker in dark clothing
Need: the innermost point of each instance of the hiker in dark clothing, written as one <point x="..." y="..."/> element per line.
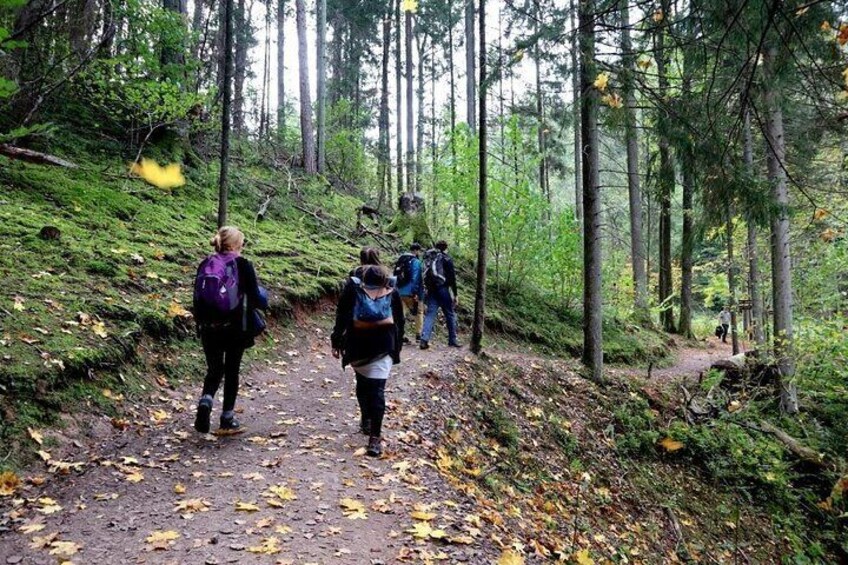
<point x="368" y="335"/>
<point x="227" y="296"/>
<point x="440" y="285"/>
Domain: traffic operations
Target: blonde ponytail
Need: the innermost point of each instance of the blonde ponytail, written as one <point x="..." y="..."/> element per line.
<point x="227" y="240"/>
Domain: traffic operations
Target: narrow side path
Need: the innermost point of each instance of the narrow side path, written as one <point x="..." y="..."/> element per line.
<point x="295" y="487"/>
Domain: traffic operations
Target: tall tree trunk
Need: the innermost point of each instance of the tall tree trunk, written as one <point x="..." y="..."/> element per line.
<point x="223" y="178"/>
<point x="482" y="253"/>
<point x="731" y="279"/>
<point x="575" y="113"/>
<point x="666" y="180"/>
<point x="470" y="87"/>
<point x="781" y="266"/>
<point x="242" y="40"/>
<point x="399" y="99"/>
<point x="540" y="109"/>
<point x="264" y="117"/>
<point x="637" y="248"/>
<point x="281" y="68"/>
<point x="196" y="25"/>
<point x="753" y="260"/>
<point x="419" y="134"/>
<point x="383" y="165"/>
<point x="688" y="236"/>
<point x="172" y="59"/>
<point x="322" y="84"/>
<point x="307" y="134"/>
<point x="593" y="352"/>
<point x="410" y="125"/>
<point x="452" y="103"/>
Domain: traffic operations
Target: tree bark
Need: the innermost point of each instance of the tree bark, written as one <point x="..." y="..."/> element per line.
<point x="593" y="353"/>
<point x="637" y="249"/>
<point x="470" y="87"/>
<point x="753" y="260"/>
<point x="383" y="164"/>
<point x="731" y="279"/>
<point x="242" y="40"/>
<point x="540" y="111"/>
<point x="575" y="113"/>
<point x="781" y="267"/>
<point x="322" y="84"/>
<point x="399" y="99"/>
<point x="410" y="124"/>
<point x="307" y="133"/>
<point x="281" y="68"/>
<point x="223" y="178"/>
<point x="172" y="59"/>
<point x="666" y="181"/>
<point x="482" y="256"/>
<point x="419" y="134"/>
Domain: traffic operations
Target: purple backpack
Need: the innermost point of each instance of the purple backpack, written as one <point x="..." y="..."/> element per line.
<point x="217" y="284"/>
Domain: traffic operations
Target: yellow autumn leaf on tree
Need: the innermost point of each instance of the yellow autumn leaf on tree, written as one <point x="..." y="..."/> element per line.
<point x="644" y="62"/>
<point x="825" y="26"/>
<point x="670" y="445"/>
<point x="9" y="483"/>
<point x="511" y="557"/>
<point x="613" y="100"/>
<point x="842" y="36"/>
<point x="409" y="6"/>
<point x="601" y="81"/>
<point x="169" y="176"/>
<point x="658" y="15"/>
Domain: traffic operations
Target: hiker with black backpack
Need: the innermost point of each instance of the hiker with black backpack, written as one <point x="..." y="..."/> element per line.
<point x="227" y="305"/>
<point x="368" y="336"/>
<point x="440" y="286"/>
<point x="408" y="273"/>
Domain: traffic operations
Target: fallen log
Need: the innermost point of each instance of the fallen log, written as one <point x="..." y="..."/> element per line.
<point x="801" y="451"/>
<point x="30" y="156"/>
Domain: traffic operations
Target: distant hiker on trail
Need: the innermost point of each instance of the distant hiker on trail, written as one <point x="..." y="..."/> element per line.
<point x="724" y="320"/>
<point x="408" y="272"/>
<point x="440" y="286"/>
<point x="227" y="300"/>
<point x="368" y="336"/>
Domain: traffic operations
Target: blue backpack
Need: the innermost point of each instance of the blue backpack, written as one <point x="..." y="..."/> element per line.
<point x="373" y="306"/>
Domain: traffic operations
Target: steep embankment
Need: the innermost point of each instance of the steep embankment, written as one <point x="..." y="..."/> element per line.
<point x="96" y="264"/>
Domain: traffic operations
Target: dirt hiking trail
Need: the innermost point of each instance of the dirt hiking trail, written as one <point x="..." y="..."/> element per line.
<point x="295" y="487"/>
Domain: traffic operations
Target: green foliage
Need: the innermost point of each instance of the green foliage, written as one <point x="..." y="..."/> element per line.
<point x="636" y="426"/>
<point x="347" y="160"/>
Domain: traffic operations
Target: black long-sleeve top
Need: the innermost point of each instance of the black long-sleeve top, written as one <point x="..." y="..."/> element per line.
<point x="450" y="274"/>
<point x="366" y="344"/>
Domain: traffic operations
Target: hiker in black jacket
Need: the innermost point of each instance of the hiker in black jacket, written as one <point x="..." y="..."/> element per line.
<point x="226" y="333"/>
<point x="440" y="284"/>
<point x="368" y="335"/>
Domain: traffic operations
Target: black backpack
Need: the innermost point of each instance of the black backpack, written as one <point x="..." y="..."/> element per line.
<point x="403" y="269"/>
<point x="434" y="269"/>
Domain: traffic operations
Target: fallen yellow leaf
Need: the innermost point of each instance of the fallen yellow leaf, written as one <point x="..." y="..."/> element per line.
<point x="511" y="557"/>
<point x="9" y="483"/>
<point x="246" y="507"/>
<point x="671" y="445"/>
<point x="268" y="546"/>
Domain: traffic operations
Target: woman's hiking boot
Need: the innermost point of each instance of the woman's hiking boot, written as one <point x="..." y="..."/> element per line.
<point x="424" y="344"/>
<point x="229" y="424"/>
<point x="365" y="426"/>
<point x="375" y="447"/>
<point x="455" y="344"/>
<point x="201" y="420"/>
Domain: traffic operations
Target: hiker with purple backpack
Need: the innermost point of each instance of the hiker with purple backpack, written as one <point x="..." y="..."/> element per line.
<point x="227" y="305"/>
<point x="368" y="336"/>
